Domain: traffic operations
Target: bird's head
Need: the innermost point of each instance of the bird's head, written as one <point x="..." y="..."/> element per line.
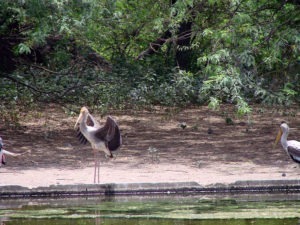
<point x="284" y="128"/>
<point x="83" y="112"/>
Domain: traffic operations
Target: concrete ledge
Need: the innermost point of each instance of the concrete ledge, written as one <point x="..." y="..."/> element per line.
<point x="260" y="186"/>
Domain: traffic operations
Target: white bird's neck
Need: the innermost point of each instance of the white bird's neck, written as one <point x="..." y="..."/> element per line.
<point x="83" y="126"/>
<point x="283" y="139"/>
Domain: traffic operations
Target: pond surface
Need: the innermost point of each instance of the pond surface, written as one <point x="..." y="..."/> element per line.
<point x="189" y="210"/>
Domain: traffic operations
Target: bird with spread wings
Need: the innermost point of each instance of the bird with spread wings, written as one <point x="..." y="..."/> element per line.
<point x="106" y="138"/>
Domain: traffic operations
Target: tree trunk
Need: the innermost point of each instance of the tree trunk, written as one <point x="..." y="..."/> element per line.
<point x="182" y="56"/>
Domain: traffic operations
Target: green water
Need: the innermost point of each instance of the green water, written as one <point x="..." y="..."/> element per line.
<point x="155" y="221"/>
<point x="189" y="210"/>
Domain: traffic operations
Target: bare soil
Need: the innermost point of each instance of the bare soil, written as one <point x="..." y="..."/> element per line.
<point x="215" y="147"/>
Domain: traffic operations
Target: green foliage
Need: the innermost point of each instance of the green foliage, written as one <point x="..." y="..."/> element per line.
<point x="243" y="108"/>
<point x="240" y="52"/>
<point x="10" y="116"/>
<point x="126" y="26"/>
<point x="23" y="49"/>
<point x="240" y="59"/>
<point x="214" y="103"/>
<point x="177" y="90"/>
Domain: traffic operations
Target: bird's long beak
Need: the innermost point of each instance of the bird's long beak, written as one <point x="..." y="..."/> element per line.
<point x="5" y="152"/>
<point x="78" y="120"/>
<point x="277" y="138"/>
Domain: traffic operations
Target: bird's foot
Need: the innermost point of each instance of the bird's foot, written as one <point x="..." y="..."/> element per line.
<point x="109" y="156"/>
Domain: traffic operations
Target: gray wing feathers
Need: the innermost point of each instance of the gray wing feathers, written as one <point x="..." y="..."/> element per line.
<point x="81" y="137"/>
<point x="110" y="133"/>
<point x="294" y="153"/>
<point x="116" y="141"/>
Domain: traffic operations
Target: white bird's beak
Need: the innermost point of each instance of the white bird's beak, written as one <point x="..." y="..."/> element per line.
<point x="5" y="152"/>
<point x="78" y="120"/>
<point x="277" y="138"/>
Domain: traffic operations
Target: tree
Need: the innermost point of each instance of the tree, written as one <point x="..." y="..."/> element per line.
<point x="236" y="51"/>
<point x="242" y="49"/>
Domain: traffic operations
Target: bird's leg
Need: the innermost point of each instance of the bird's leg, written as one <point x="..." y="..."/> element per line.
<point x="97" y="167"/>
<point x="95" y="159"/>
<point x="98" y="170"/>
<point x="3" y="160"/>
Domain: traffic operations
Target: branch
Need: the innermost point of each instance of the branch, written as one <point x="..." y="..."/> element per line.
<point x="21" y="83"/>
<point x="43" y="68"/>
<point x="156" y="45"/>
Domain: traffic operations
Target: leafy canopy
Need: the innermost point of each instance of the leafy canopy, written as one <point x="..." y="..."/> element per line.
<point x="239" y="51"/>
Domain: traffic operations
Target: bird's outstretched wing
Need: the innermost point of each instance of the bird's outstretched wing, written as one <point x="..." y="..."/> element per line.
<point x="116" y="139"/>
<point x="81" y="137"/>
<point x="110" y="133"/>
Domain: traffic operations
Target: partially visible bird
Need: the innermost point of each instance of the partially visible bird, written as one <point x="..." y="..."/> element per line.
<point x="3" y="153"/>
<point x="105" y="138"/>
<point x="210" y="130"/>
<point x="182" y="125"/>
<point x="2" y="156"/>
<point x="291" y="147"/>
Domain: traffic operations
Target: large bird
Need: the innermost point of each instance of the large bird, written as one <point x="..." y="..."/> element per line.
<point x="105" y="138"/>
<point x="291" y="147"/>
<point x="3" y="153"/>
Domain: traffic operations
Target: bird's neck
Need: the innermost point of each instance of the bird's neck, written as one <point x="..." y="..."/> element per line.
<point x="83" y="126"/>
<point x="85" y="129"/>
<point x="284" y="140"/>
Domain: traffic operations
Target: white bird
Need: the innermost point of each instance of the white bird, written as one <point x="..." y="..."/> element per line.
<point x="291" y="147"/>
<point x="105" y="138"/>
<point x="3" y="153"/>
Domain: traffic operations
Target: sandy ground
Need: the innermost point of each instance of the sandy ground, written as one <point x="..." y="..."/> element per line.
<point x="208" y="151"/>
<point x="147" y="174"/>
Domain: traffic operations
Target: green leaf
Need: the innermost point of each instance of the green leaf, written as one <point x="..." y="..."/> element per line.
<point x="23" y="49"/>
<point x="242" y="107"/>
<point x="214" y="103"/>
